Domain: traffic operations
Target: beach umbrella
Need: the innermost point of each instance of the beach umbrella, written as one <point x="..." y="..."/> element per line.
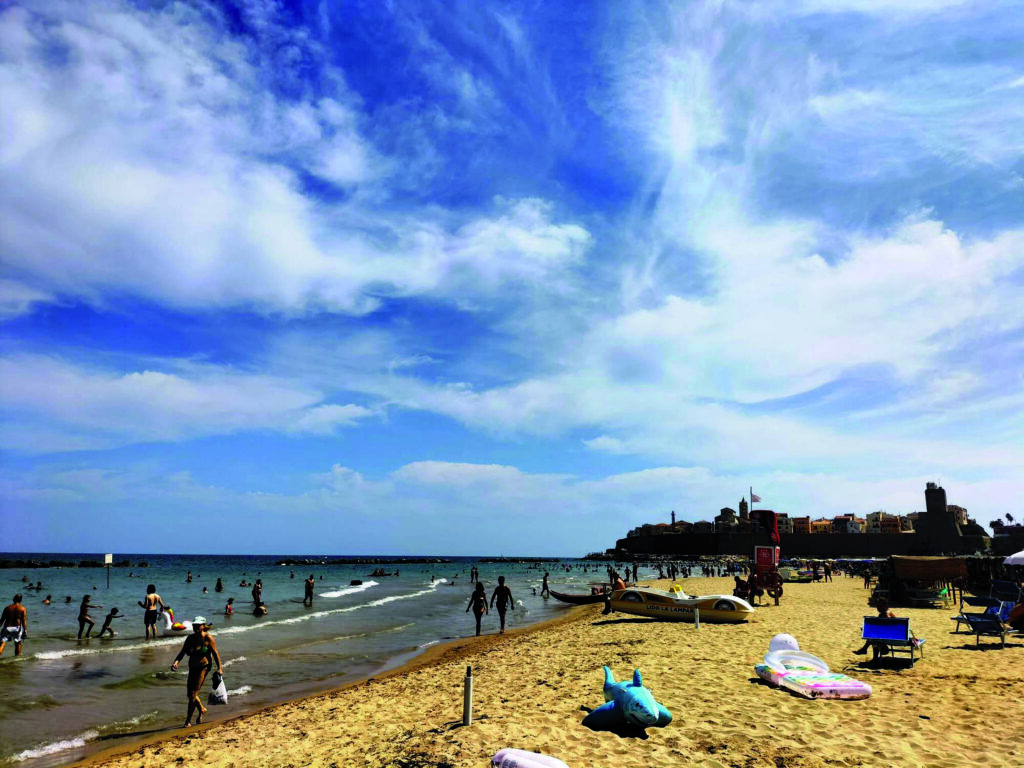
<point x="1017" y="559"/>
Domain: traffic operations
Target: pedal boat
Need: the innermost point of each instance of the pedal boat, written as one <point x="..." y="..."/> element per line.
<point x="678" y="606"/>
<point x="793" y="576"/>
<point x="577" y="599"/>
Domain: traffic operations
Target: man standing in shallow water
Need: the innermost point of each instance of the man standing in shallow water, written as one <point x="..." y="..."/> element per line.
<point x="310" y="583"/>
<point x="504" y="597"/>
<point x="152" y="600"/>
<point x="14" y="625"/>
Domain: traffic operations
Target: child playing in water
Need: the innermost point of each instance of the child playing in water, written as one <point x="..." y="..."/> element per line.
<point x="84" y="617"/>
<point x="109" y="618"/>
<point x="230" y="607"/>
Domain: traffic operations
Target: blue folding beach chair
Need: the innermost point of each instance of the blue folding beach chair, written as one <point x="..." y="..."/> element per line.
<point x="990" y="626"/>
<point x="892" y="636"/>
<point x="992" y="607"/>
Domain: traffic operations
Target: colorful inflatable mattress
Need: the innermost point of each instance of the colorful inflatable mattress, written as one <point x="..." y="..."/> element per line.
<point x="809" y="676"/>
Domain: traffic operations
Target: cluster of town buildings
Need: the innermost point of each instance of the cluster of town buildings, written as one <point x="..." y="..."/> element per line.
<point x="942" y="528"/>
<point x="729" y="520"/>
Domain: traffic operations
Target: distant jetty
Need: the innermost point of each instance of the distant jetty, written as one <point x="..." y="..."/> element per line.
<point x="68" y="564"/>
<point x="361" y="561"/>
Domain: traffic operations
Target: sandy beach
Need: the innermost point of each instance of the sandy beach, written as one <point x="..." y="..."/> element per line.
<point x="961" y="705"/>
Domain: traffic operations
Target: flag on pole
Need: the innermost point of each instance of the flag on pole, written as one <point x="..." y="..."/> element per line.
<point x="754" y="497"/>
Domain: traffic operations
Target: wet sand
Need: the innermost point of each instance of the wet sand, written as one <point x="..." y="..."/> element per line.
<point x="961" y="705"/>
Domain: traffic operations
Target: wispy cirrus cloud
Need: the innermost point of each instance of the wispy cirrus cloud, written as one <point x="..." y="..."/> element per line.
<point x="779" y="240"/>
<point x="185" y="169"/>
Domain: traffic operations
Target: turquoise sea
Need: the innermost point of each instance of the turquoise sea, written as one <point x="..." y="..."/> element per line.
<point x="66" y="697"/>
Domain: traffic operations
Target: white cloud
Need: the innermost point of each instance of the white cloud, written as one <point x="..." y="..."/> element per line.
<point x="18" y="299"/>
<point x="72" y="407"/>
<point x="325" y="419"/>
<point x="179" y="176"/>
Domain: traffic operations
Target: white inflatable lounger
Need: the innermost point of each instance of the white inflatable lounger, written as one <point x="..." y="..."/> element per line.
<point x="520" y="758"/>
<point x="809" y="676"/>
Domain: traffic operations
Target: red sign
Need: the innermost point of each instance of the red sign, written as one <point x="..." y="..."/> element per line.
<point x="766" y="556"/>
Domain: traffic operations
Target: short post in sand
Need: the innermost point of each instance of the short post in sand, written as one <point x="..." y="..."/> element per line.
<point x="696" y="618"/>
<point x="467" y="697"/>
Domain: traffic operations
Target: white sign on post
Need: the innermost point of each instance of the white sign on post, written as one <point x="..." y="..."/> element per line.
<point x="108" y="559"/>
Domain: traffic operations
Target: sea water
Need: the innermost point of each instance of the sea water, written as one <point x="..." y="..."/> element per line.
<point x="66" y="697"/>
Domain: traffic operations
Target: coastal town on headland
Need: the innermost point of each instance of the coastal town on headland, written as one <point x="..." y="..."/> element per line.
<point x="940" y="529"/>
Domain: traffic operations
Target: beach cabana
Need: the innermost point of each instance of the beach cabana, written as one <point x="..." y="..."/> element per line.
<point x="922" y="581"/>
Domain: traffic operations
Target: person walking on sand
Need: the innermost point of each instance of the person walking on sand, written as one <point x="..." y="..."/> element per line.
<point x="109" y="618"/>
<point x="478" y="602"/>
<point x="201" y="649"/>
<point x="504" y="597"/>
<point x="152" y="604"/>
<point x="14" y="625"/>
<point x="310" y="583"/>
<point x="84" y="617"/>
<point x="544" y="591"/>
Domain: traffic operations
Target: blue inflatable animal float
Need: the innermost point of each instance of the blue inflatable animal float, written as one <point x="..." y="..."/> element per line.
<point x="627" y="705"/>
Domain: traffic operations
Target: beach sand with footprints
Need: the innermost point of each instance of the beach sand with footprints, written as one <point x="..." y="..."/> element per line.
<point x="960" y="705"/>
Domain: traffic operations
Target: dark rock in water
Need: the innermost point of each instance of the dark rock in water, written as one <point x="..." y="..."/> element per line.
<point x="355" y="582"/>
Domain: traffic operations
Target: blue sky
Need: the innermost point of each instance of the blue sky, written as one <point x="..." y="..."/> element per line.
<point x="468" y="278"/>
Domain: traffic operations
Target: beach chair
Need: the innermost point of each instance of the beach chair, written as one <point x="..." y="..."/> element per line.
<point x="990" y="626"/>
<point x="991" y="606"/>
<point x="929" y="596"/>
<point x="1004" y="590"/>
<point x="893" y="635"/>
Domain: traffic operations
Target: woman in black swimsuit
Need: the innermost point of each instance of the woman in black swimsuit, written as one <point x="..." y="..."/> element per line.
<point x="84" y="617"/>
<point x="201" y="649"/>
<point x="478" y="602"/>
